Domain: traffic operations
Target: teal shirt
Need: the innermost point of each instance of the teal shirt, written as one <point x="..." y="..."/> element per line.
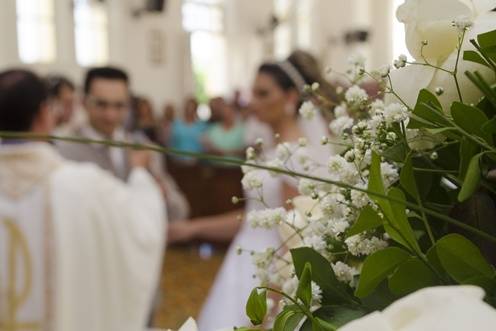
<point x="227" y="140"/>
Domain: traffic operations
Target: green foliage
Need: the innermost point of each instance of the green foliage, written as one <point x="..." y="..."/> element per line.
<point x="378" y="267"/>
<point x="256" y="307"/>
<point x="472" y="178"/>
<point x="428" y="112"/>
<point x="411" y="275"/>
<point x="462" y="260"/>
<point x="304" y="291"/>
<point x="334" y="291"/>
<point x="368" y="220"/>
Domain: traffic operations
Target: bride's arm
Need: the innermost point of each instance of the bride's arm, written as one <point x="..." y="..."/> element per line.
<point x="218" y="228"/>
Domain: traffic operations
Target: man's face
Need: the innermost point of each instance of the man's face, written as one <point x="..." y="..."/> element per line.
<point x="107" y="104"/>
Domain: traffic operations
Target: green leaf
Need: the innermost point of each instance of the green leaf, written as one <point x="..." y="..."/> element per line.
<point x="470" y="119"/>
<point x="288" y="320"/>
<point x="334" y="291"/>
<point x="377" y="267"/>
<point x="434" y="261"/>
<point x="461" y="259"/>
<point x="490" y="127"/>
<point x="396" y="152"/>
<point x="429" y="111"/>
<point x="407" y="179"/>
<point x="475" y="57"/>
<point x="472" y="179"/>
<point x="304" y="291"/>
<point x="400" y="229"/>
<point x="467" y="151"/>
<point x="339" y="315"/>
<point x="256" y="307"/>
<point x="368" y="220"/>
<point x="411" y="276"/>
<point x="487" y="39"/>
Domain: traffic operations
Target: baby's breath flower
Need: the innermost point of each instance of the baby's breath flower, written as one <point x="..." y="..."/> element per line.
<point x="356" y="95"/>
<point x="401" y="61"/>
<point x="307" y="110"/>
<point x="462" y="23"/>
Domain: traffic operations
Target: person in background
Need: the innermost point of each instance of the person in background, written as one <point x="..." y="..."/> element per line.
<point x="79" y="250"/>
<point x="166" y="122"/>
<point x="186" y="134"/>
<point x="106" y="101"/>
<point x="62" y="99"/>
<point x="276" y="98"/>
<point x="215" y="105"/>
<point x="145" y="119"/>
<point x="226" y="137"/>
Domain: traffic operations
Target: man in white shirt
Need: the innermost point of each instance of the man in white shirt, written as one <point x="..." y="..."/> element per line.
<point x="106" y="101"/>
<point x="79" y="249"/>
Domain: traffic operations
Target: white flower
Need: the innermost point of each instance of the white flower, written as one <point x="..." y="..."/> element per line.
<point x="462" y="23"/>
<point x="432" y="21"/>
<point x="316" y="242"/>
<point x="395" y="113"/>
<point x="333" y="206"/>
<point x="316" y="294"/>
<point x="360" y="245"/>
<point x="389" y="173"/>
<point x="251" y="154"/>
<point x="357" y="60"/>
<point x="307" y="110"/>
<point x="315" y="86"/>
<point x="341" y="170"/>
<point x="384" y="71"/>
<point x="252" y="180"/>
<point x="359" y="199"/>
<point x="400" y="62"/>
<point x="302" y="142"/>
<point x="355" y="95"/>
<point x="341" y="110"/>
<point x="340" y="124"/>
<point x="267" y="218"/>
<point x="453" y="308"/>
<point x="306" y="186"/>
<point x="344" y="272"/>
<point x="263" y="259"/>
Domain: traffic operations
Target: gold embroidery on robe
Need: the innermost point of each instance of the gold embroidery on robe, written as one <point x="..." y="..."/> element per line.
<point x="17" y="252"/>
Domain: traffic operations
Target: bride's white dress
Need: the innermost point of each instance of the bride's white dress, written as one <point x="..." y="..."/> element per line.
<point x="225" y="305"/>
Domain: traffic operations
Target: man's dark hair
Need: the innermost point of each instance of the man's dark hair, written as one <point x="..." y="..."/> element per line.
<point x="21" y="95"/>
<point x="111" y="73"/>
<point x="55" y="83"/>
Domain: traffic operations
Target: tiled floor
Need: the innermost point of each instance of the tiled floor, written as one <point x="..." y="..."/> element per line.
<point x="186" y="280"/>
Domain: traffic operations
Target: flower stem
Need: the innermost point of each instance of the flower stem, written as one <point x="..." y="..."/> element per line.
<point x="239" y="162"/>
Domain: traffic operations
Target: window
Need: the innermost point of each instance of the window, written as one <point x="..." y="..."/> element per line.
<point x="204" y="19"/>
<point x="282" y="34"/>
<point x="91" y="32"/>
<point x="36" y="30"/>
<point x="304" y="16"/>
<point x="399" y="44"/>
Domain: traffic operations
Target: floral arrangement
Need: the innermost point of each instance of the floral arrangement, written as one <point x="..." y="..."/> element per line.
<point x="408" y="202"/>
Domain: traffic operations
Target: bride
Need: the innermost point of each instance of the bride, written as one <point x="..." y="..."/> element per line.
<point x="276" y="98"/>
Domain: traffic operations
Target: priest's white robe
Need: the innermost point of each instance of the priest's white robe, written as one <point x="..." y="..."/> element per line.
<point x="79" y="250"/>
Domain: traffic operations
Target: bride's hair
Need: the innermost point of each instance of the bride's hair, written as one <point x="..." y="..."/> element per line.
<point x="307" y="70"/>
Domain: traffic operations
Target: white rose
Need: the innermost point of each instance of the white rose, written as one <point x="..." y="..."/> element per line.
<point x="432" y="21"/>
<point x="454" y="308"/>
